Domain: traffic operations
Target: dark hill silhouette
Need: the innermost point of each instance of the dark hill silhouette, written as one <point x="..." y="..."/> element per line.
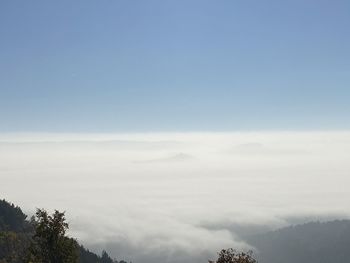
<point x="12" y="218"/>
<point x="313" y="242"/>
<point x="16" y="233"/>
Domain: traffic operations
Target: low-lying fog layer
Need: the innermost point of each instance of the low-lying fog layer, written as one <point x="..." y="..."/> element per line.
<point x="175" y="197"/>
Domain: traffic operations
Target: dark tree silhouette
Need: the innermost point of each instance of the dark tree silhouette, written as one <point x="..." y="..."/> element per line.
<point x="41" y="240"/>
<point x="232" y="256"/>
<point x="105" y="258"/>
<point x="12" y="218"/>
<point x="50" y="243"/>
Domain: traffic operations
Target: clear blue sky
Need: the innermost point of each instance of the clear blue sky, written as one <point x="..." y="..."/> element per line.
<point x="194" y="65"/>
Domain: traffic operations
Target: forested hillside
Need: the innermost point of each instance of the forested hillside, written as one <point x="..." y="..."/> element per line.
<point x="17" y="236"/>
<point x="308" y="243"/>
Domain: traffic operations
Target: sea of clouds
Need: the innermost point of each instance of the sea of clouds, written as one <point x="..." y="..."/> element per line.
<point x="177" y="197"/>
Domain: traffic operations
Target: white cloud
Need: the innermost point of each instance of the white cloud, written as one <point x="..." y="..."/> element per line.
<point x="151" y="195"/>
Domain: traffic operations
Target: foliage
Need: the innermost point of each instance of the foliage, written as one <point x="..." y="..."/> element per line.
<point x="105" y="258"/>
<point x="85" y="256"/>
<point x="14" y="233"/>
<point x="50" y="243"/>
<point x="13" y="246"/>
<point x="232" y="256"/>
<point x="39" y="239"/>
<point x="12" y="218"/>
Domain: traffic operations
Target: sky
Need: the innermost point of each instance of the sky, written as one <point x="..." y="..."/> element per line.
<point x="145" y="66"/>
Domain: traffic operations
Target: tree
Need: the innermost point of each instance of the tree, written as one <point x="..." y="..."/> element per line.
<point x="50" y="243"/>
<point x="105" y="258"/>
<point x="12" y="218"/>
<point x="232" y="256"/>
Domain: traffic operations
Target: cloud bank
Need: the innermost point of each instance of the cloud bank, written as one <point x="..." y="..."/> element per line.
<point x="175" y="197"/>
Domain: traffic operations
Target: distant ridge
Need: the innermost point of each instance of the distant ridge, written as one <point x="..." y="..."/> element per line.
<point x="314" y="242"/>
